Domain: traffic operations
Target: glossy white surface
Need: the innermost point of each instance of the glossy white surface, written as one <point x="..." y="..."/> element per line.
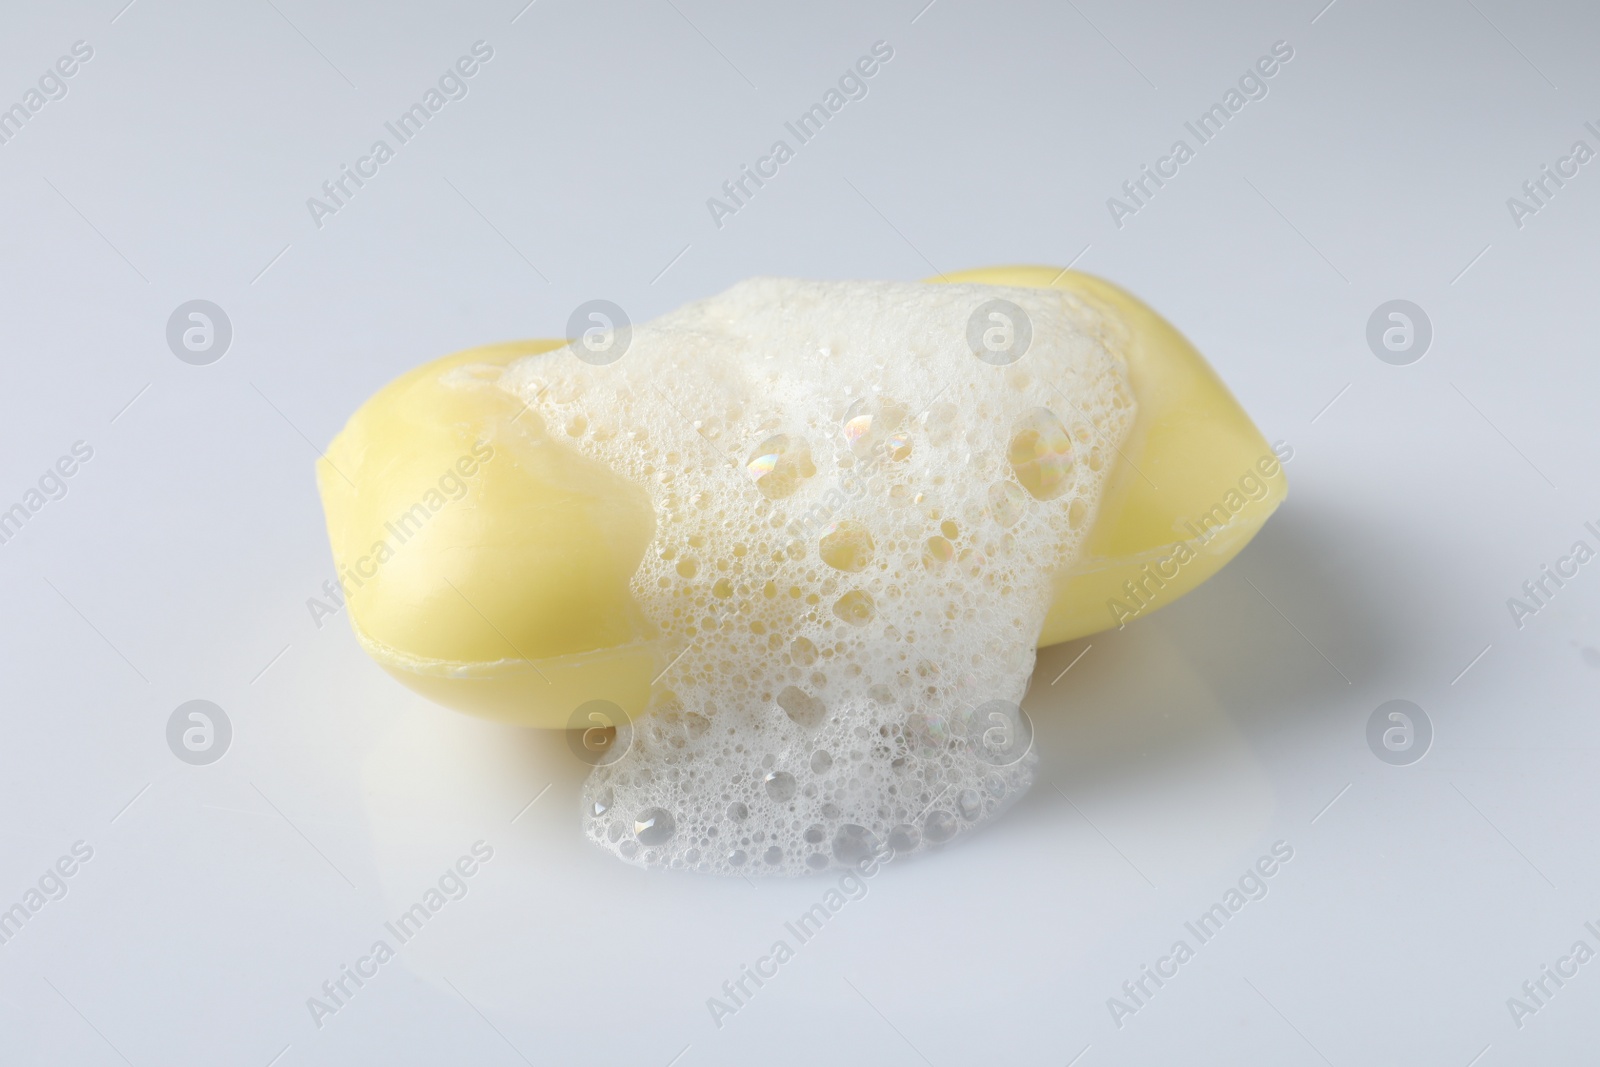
<point x="178" y="566"/>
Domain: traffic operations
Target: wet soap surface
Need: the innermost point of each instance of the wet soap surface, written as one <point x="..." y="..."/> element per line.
<point x="857" y="526"/>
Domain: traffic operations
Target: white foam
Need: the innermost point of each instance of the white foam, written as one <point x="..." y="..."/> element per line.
<point x="852" y="553"/>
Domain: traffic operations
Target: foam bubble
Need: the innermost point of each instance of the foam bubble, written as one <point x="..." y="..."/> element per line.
<point x="857" y="522"/>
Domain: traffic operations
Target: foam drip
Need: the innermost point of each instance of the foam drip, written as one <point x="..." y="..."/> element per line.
<point x="857" y="522"/>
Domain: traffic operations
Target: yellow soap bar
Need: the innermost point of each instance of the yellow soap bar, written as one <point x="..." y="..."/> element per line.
<point x="487" y="563"/>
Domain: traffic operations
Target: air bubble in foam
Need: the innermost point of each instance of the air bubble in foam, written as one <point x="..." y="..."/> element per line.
<point x="856" y="527"/>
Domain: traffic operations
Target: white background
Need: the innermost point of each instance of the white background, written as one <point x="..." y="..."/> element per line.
<point x="1174" y="753"/>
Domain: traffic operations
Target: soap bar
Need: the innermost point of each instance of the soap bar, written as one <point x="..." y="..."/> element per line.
<point x="488" y="563"/>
